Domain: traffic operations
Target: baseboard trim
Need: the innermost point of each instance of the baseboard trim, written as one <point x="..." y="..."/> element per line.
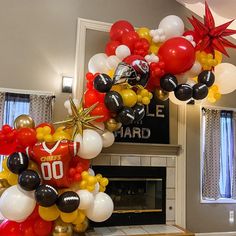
<point x="217" y="234"/>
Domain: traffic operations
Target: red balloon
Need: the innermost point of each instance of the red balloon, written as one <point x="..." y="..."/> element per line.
<point x="26" y="137"/>
<point x="91" y="96"/>
<point x="129" y="39"/>
<point x="27" y="227"/>
<point x="178" y="54"/>
<point x="130" y="59"/>
<point x="29" y="231"/>
<point x="111" y="47"/>
<point x="119" y="28"/>
<point x="10" y="228"/>
<point x="101" y="110"/>
<point x="42" y="227"/>
<point x="6" y="129"/>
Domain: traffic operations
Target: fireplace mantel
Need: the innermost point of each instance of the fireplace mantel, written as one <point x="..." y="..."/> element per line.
<point x="143" y="149"/>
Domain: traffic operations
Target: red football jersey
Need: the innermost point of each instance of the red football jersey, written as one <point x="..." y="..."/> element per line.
<point x="54" y="160"/>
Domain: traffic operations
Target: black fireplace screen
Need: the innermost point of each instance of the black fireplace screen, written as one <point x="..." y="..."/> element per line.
<point x="138" y="194"/>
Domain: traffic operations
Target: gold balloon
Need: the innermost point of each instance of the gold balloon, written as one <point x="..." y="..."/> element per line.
<point x="24" y="121"/>
<point x="80" y="228"/>
<point x="4" y="183"/>
<point x="62" y="229"/>
<point x="161" y="94"/>
<point x="112" y="125"/>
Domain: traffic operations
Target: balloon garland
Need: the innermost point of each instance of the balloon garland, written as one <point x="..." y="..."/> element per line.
<point x="47" y="184"/>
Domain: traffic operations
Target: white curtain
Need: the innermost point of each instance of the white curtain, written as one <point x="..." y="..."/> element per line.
<point x="41" y="108"/>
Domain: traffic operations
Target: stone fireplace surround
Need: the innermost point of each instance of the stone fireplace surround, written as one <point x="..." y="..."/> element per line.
<point x="155" y="161"/>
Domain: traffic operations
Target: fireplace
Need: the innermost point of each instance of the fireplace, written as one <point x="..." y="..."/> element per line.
<point x="139" y="194"/>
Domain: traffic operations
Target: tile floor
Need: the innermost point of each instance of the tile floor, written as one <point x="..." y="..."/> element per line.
<point x="133" y="230"/>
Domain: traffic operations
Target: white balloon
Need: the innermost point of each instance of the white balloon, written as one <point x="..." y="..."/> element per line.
<point x="122" y="52"/>
<point x="172" y="25"/>
<point x="96" y="189"/>
<point x="102" y="208"/>
<point x="190" y="82"/>
<point x="182" y="78"/>
<point x="76" y="102"/>
<point x="67" y="104"/>
<point x="69" y="111"/>
<point x="91" y="172"/>
<point x="108" y="138"/>
<point x="86" y="199"/>
<point x="90" y="144"/>
<point x="195" y="69"/>
<point x="98" y="63"/>
<point x="176" y="101"/>
<point x="16" y="205"/>
<point x="225" y="77"/>
<point x="112" y="62"/>
<point x="100" y="126"/>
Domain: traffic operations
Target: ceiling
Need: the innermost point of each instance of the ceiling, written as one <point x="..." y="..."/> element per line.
<point x="222" y="10"/>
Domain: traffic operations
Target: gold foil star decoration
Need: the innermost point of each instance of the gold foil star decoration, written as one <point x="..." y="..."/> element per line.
<point x="79" y="119"/>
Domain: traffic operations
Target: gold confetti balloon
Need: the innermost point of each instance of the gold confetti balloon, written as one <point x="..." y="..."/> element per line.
<point x="112" y="125"/>
<point x="161" y="94"/>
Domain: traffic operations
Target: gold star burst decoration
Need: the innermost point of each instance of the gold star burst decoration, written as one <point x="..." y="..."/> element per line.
<point x="80" y="119"/>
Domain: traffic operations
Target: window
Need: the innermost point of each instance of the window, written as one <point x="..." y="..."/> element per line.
<point x="218" y="156"/>
<point x="14" y="105"/>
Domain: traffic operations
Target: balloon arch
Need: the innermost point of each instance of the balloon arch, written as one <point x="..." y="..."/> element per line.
<point x="47" y="184"/>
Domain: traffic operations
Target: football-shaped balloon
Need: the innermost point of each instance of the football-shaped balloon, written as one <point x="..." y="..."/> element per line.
<point x="46" y="195"/>
<point x="126" y="116"/>
<point x="200" y="91"/>
<point x="206" y="77"/>
<point x="29" y="180"/>
<point x="168" y="82"/>
<point x="139" y="112"/>
<point x="103" y="83"/>
<point x="68" y="201"/>
<point x="17" y="162"/>
<point x="113" y="101"/>
<point x="183" y="92"/>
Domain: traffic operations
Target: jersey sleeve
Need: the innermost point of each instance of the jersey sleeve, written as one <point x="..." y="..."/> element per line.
<point x="30" y="152"/>
<point x="73" y="148"/>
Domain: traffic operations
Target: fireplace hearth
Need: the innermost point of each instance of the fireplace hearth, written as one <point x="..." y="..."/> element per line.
<point x="139" y="194"/>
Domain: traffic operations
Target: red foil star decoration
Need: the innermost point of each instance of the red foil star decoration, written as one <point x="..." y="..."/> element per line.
<point x="212" y="37"/>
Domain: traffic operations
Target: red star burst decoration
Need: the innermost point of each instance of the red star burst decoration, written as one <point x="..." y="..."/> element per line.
<point x="212" y="37"/>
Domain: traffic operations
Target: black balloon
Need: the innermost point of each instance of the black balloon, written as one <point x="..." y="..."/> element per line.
<point x="68" y="201"/>
<point x="139" y="112"/>
<point x="200" y="91"/>
<point x="126" y="116"/>
<point x="183" y="92"/>
<point x="17" y="162"/>
<point x="168" y="82"/>
<point x="29" y="180"/>
<point x="46" y="195"/>
<point x="103" y="83"/>
<point x="113" y="101"/>
<point x="206" y="77"/>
